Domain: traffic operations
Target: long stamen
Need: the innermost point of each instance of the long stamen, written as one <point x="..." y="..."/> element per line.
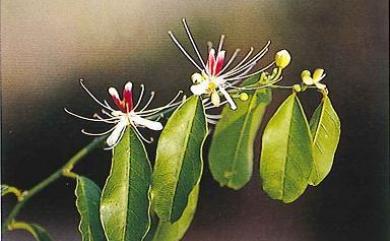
<point x="213" y="116"/>
<point x="142" y="137"/>
<point x="253" y="60"/>
<point x="193" y="42"/>
<point x="97" y="134"/>
<point x="231" y="60"/>
<point x="105" y="120"/>
<point x="244" y="72"/>
<point x="155" y="111"/>
<point x="93" y="97"/>
<point x="108" y="105"/>
<point x="206" y="102"/>
<point x="221" y="43"/>
<point x="140" y="97"/>
<point x="213" y="106"/>
<point x="241" y="72"/>
<point x="213" y="122"/>
<point x="170" y="104"/>
<point x="106" y="113"/>
<point x="251" y="74"/>
<point x="177" y="43"/>
<point x="149" y="101"/>
<point x="243" y="60"/>
<point x="209" y="46"/>
<point x="247" y="65"/>
<point x="89" y="119"/>
<point x="232" y="104"/>
<point x="118" y="140"/>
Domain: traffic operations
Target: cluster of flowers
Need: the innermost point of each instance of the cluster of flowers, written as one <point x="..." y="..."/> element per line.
<point x="215" y="79"/>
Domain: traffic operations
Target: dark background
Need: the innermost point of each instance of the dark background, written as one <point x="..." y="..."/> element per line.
<point x="46" y="46"/>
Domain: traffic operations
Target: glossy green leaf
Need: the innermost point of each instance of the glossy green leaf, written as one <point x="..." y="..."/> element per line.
<point x="124" y="205"/>
<point x="325" y="129"/>
<point x="39" y="233"/>
<point x="179" y="164"/>
<point x="166" y="231"/>
<point x="5" y="189"/>
<point x="87" y="203"/>
<point x="231" y="150"/>
<point x="286" y="155"/>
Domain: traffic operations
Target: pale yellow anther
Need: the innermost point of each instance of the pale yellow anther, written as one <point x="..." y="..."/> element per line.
<point x="282" y="59"/>
<point x="215" y="99"/>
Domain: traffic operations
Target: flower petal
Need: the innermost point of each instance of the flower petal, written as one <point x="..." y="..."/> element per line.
<point x="320" y="86"/>
<point x="153" y="125"/>
<point x="219" y="62"/>
<point x="229" y="99"/>
<point x="128" y="96"/>
<point x="318" y="75"/>
<point x="115" y="97"/>
<point x="307" y="80"/>
<point x="114" y="94"/>
<point x="116" y="133"/>
<point x="196" y="78"/>
<point x="215" y="100"/>
<point x="211" y="61"/>
<point x="199" y="89"/>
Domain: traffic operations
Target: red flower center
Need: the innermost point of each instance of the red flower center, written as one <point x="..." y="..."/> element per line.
<point x="215" y="64"/>
<point x="126" y="104"/>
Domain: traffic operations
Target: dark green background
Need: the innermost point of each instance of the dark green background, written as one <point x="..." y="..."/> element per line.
<point x="46" y="46"/>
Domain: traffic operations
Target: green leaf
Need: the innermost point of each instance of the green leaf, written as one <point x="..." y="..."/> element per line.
<point x="124" y="205"/>
<point x="167" y="231"/>
<point x="325" y="129"/>
<point x="231" y="151"/>
<point x="179" y="164"/>
<point x="87" y="203"/>
<point x="286" y="155"/>
<point x="5" y="189"/>
<point x="39" y="233"/>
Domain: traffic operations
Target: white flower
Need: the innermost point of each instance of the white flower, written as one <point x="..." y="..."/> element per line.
<point x="318" y="75"/>
<point x="126" y="114"/>
<point x="215" y="77"/>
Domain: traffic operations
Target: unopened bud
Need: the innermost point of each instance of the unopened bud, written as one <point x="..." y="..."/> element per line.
<point x="282" y="58"/>
<point x="244" y="96"/>
<point x="318" y="74"/>
<point x="297" y="88"/>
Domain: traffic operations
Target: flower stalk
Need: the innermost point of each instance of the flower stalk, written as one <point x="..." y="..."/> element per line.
<point x="65" y="170"/>
<point x="27" y="195"/>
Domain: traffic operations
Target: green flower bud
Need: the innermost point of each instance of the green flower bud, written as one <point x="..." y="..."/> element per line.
<point x="306" y="77"/>
<point x="318" y="74"/>
<point x="297" y="88"/>
<point x="282" y="58"/>
<point x="244" y="96"/>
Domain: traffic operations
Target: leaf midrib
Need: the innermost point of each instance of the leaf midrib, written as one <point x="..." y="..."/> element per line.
<point x="182" y="158"/>
<point x="315" y="139"/>
<point x="128" y="184"/>
<point x="241" y="137"/>
<point x="283" y="181"/>
<point x="319" y="122"/>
